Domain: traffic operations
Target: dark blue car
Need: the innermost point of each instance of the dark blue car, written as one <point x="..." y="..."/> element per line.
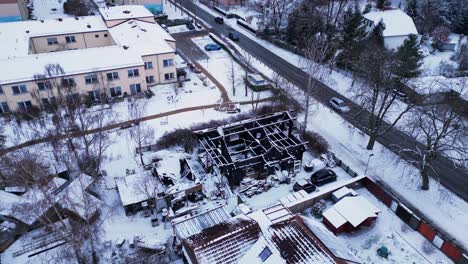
<point x="212" y="46"/>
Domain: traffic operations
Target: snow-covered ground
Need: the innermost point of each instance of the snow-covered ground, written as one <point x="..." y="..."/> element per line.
<point x="48" y="9"/>
<point x="404" y="244"/>
<point x="220" y="64"/>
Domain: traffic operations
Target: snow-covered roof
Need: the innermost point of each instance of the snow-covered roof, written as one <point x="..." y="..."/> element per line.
<point x="433" y="84"/>
<point x="69" y="195"/>
<point x="72" y="62"/>
<point x="131" y="187"/>
<point x="329" y="240"/>
<point x="355" y="210"/>
<point x="262" y="252"/>
<point x="188" y="226"/>
<point x="142" y="37"/>
<point x="77" y="200"/>
<point x="397" y="22"/>
<point x="14" y="36"/>
<point x="125" y="12"/>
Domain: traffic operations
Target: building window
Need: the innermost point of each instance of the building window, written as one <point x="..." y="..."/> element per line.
<point x="91" y="79"/>
<point x="68" y="82"/>
<point x="168" y="63"/>
<point x="116" y="91"/>
<point x="24" y="105"/>
<point x="96" y="36"/>
<point x="105" y="35"/>
<point x="1" y="90"/>
<point x="73" y="98"/>
<point x="19" y="89"/>
<point x="150" y="79"/>
<point x="48" y="101"/>
<point x="42" y="86"/>
<point x="70" y="39"/>
<point x="169" y="76"/>
<point x="94" y="95"/>
<point x="135" y="88"/>
<point x="133" y="73"/>
<point x="4" y="107"/>
<point x="148" y="65"/>
<point x="52" y="41"/>
<point x="112" y="76"/>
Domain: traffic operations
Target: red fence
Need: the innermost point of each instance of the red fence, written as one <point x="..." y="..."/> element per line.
<point x="446" y="245"/>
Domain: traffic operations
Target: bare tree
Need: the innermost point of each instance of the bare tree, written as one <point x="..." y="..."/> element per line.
<point x="71" y="117"/>
<point x="315" y="52"/>
<point x="277" y="13"/>
<point x="141" y="133"/>
<point x="248" y="60"/>
<point x="232" y="76"/>
<point x="377" y="93"/>
<point x="438" y="130"/>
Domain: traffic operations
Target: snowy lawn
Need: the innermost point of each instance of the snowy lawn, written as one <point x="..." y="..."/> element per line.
<point x="403" y="243"/>
<point x="220" y="65"/>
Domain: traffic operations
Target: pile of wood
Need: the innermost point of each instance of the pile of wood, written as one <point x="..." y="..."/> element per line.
<point x="249" y="187"/>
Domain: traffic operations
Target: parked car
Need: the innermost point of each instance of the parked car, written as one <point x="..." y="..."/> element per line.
<point x="190" y="26"/>
<point x="339" y="105"/>
<point x="219" y="20"/>
<point x="212" y="46"/>
<point x="305" y="185"/>
<point x="323" y="176"/>
<point x="233" y="35"/>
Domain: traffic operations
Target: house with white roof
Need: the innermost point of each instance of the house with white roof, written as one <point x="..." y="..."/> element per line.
<point x="398" y="26"/>
<point x="118" y="53"/>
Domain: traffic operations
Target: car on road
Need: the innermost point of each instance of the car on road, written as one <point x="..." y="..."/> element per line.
<point x="212" y="46"/>
<point x="305" y="185"/>
<point x="233" y="35"/>
<point x="323" y="176"/>
<point x="190" y="26"/>
<point x="339" y="105"/>
<point x="219" y="20"/>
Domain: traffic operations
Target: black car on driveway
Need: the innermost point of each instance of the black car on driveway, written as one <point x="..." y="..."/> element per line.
<point x="219" y="20"/>
<point x="323" y="176"/>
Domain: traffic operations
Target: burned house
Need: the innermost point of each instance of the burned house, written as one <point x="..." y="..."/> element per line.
<point x="252" y="148"/>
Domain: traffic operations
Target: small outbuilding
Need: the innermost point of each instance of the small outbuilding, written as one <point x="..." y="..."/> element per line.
<point x="349" y="214"/>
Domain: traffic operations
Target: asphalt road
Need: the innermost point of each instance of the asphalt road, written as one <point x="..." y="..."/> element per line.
<point x="455" y="179"/>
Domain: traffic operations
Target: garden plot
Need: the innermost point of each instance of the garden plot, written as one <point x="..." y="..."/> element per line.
<point x="224" y="69"/>
<point x="404" y="244"/>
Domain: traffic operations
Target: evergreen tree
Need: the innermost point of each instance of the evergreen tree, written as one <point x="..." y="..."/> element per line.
<point x="376" y="35"/>
<point x="354" y="32"/>
<point x="412" y="8"/>
<point x="408" y="59"/>
<point x="380" y="4"/>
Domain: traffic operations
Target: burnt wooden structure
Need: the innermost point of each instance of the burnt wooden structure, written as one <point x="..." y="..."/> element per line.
<point x="252" y="148"/>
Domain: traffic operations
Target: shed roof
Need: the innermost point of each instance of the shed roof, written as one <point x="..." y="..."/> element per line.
<point x="355" y="210"/>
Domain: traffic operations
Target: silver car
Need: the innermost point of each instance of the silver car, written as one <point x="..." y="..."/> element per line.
<point x="339" y="105"/>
